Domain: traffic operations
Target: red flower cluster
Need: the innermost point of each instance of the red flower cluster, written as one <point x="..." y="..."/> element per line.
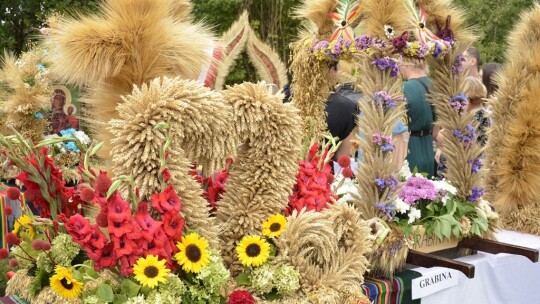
<point x="130" y="235"/>
<point x="344" y="162"/>
<point x="241" y="297"/>
<point x="56" y="187"/>
<point x="312" y="189"/>
<point x="214" y="186"/>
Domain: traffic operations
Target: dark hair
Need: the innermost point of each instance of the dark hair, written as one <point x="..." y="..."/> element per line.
<point x="488" y="71"/>
<point x="473" y="52"/>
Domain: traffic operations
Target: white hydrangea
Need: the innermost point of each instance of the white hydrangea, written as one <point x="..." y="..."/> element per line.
<point x="262" y="278"/>
<point x="136" y="300"/>
<point x="414" y="214"/>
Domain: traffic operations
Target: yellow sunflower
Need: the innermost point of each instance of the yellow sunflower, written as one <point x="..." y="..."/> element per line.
<point x="274" y="226"/>
<point x="193" y="254"/>
<point x="63" y="283"/>
<point x="23" y="225"/>
<point x="150" y="271"/>
<point x="253" y="251"/>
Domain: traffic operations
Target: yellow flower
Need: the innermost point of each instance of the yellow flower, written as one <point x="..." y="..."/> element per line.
<point x="274" y="226"/>
<point x="63" y="283"/>
<point x="193" y="254"/>
<point x="150" y="271"/>
<point x="253" y="251"/>
<point x="23" y="225"/>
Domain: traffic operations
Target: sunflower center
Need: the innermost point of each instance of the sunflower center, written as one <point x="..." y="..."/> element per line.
<point x="151" y="272"/>
<point x="193" y="253"/>
<point x="253" y="250"/>
<point x="275" y="227"/>
<point x="67" y="285"/>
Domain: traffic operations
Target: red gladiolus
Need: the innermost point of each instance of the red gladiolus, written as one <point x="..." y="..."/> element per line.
<point x="119" y="216"/>
<point x="147" y="224"/>
<point x="123" y="245"/>
<point x="79" y="228"/>
<point x="166" y="175"/>
<point x="344" y="161"/>
<point x="103" y="183"/>
<point x="13" y="193"/>
<point x="107" y="259"/>
<point x="13" y="263"/>
<point x="241" y="297"/>
<point x="166" y="201"/>
<point x="12" y="239"/>
<point x="8" y="211"/>
<point x="172" y="225"/>
<point x="10" y="274"/>
<point x="313" y="150"/>
<point x="3" y="253"/>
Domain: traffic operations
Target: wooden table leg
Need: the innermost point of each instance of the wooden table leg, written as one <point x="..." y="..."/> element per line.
<point x="495" y="247"/>
<point x="429" y="260"/>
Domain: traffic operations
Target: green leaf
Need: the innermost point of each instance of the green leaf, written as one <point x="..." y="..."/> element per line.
<point x="120" y="299"/>
<point x="96" y="148"/>
<point x="446" y="229"/>
<point x="113" y="187"/>
<point x="273" y="295"/>
<point x="456" y="231"/>
<point x="130" y="288"/>
<point x="243" y="279"/>
<point x="105" y="293"/>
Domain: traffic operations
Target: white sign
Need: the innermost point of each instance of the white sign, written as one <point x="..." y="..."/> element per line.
<point x="434" y="281"/>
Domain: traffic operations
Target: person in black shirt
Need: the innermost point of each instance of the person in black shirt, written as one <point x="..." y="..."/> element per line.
<point x="341" y="114"/>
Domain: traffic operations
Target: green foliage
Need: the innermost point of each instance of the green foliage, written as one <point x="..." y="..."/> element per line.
<point x="20" y="20"/>
<point x="493" y="20"/>
<point x="271" y="20"/>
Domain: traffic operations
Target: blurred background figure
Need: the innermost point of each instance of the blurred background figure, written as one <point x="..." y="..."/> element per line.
<point x="488" y="73"/>
<point x="420" y="115"/>
<point x="472" y="62"/>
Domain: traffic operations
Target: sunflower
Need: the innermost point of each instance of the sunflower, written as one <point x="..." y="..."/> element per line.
<point x="150" y="271"/>
<point x="63" y="283"/>
<point x="274" y="226"/>
<point x="193" y="254"/>
<point x="253" y="251"/>
<point x="23" y="225"/>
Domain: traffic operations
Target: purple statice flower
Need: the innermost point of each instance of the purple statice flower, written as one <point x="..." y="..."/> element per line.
<point x="457" y="67"/>
<point x="476" y="165"/>
<point x="422" y="51"/>
<point x="467" y="137"/>
<point x="384" y="142"/>
<point x="476" y="195"/>
<point x="416" y="189"/>
<point x="391" y="182"/>
<point x="459" y="102"/>
<point x="389" y="210"/>
<point x="384" y="99"/>
<point x="386" y="63"/>
<point x="363" y="42"/>
<point x="338" y="47"/>
<point x="438" y="49"/>
<point x="380" y="183"/>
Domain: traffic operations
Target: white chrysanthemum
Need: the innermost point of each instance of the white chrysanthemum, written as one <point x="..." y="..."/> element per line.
<point x="379" y="230"/>
<point x="83" y="137"/>
<point x="344" y="189"/>
<point x="401" y="206"/>
<point x="414" y="214"/>
<point x="444" y="185"/>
